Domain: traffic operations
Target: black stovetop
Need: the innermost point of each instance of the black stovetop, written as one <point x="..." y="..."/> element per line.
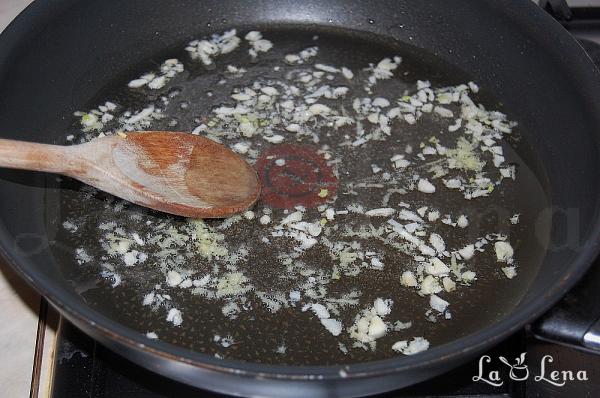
<point x="87" y="369"/>
<point x="84" y="368"/>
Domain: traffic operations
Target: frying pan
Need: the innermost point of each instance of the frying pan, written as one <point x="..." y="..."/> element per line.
<point x="57" y="56"/>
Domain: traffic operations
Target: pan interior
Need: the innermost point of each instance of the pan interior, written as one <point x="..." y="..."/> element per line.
<point x="268" y="327"/>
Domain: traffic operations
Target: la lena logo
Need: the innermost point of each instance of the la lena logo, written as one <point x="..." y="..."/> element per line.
<point x="518" y="371"/>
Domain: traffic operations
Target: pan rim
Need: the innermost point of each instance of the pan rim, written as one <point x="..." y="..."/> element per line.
<point x="470" y="344"/>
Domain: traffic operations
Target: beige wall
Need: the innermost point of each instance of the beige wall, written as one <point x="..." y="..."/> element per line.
<point x="9" y="9"/>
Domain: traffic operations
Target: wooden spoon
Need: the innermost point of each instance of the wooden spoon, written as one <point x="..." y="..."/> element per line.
<point x="176" y="173"/>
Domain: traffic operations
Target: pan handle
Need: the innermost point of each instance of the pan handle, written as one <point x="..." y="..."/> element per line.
<point x="575" y="321"/>
<point x="559" y="9"/>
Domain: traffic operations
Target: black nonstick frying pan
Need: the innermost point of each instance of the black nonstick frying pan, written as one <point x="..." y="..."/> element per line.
<point x="59" y="57"/>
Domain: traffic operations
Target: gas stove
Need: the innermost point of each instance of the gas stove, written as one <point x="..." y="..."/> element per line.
<point x="84" y="368"/>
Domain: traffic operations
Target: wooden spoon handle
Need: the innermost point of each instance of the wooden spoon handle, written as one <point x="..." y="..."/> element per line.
<point x="38" y="157"/>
